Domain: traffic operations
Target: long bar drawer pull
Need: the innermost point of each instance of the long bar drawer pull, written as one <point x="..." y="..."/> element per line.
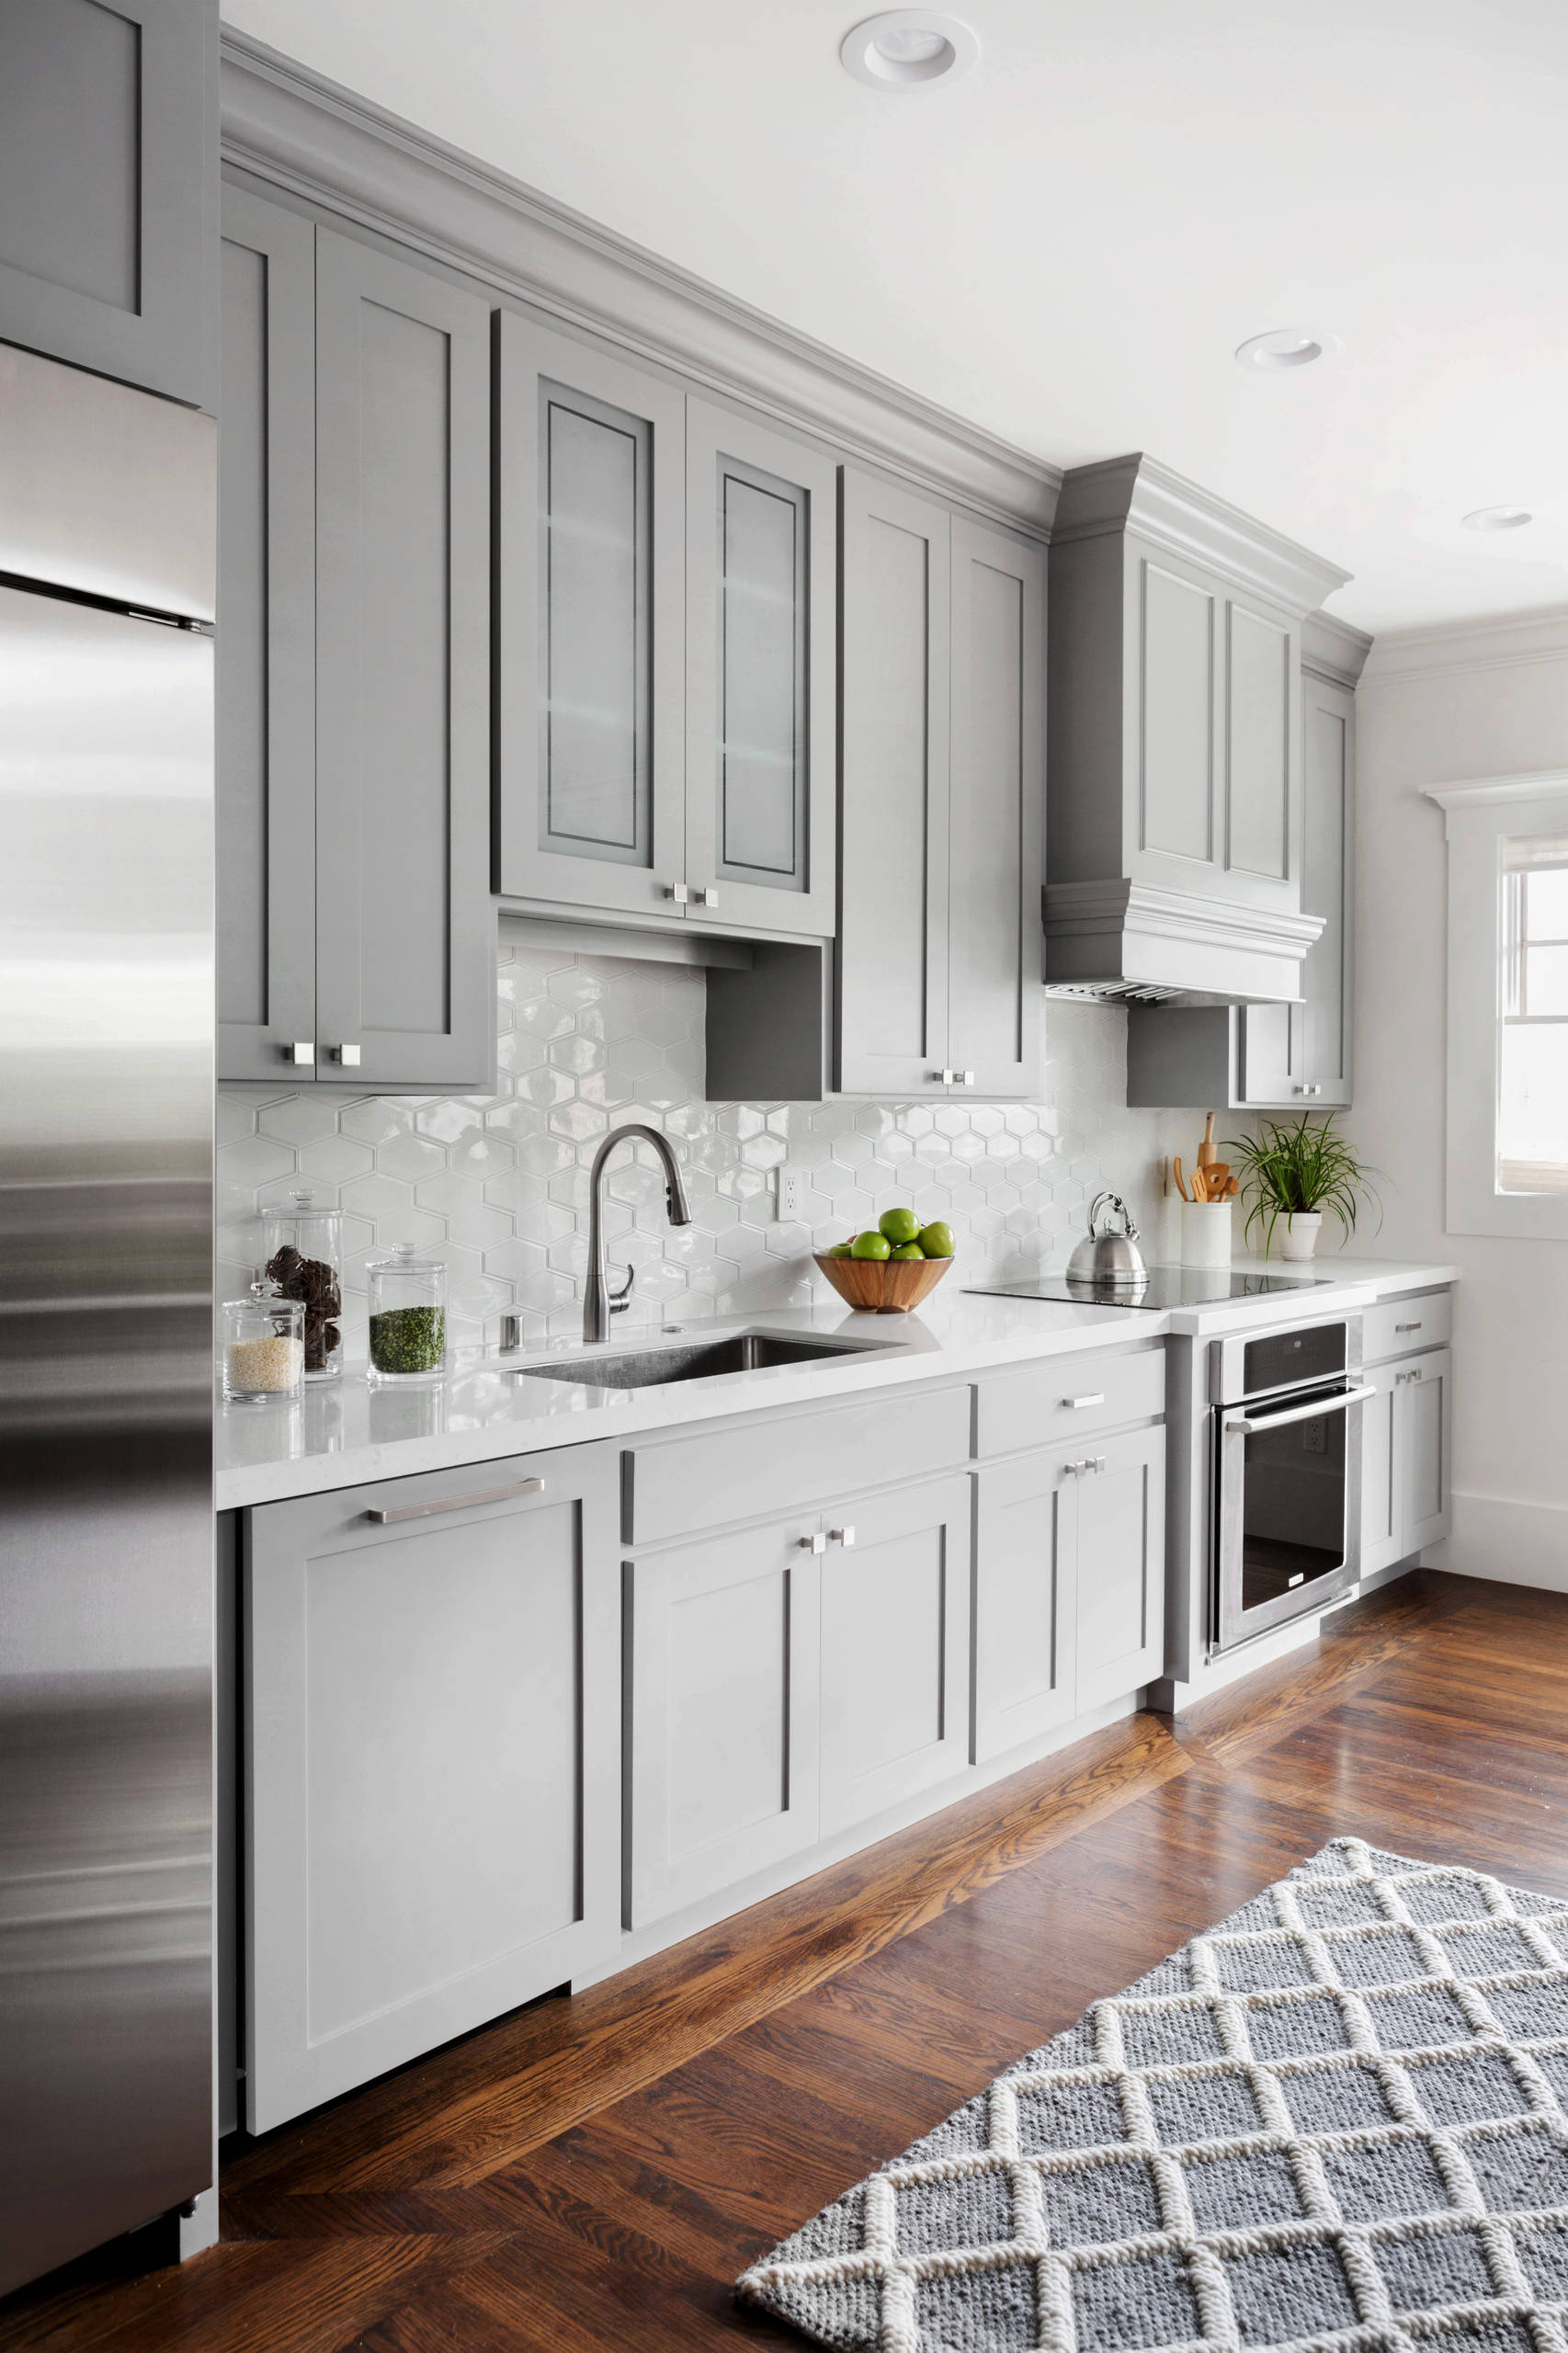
<point x="1407" y="1327"/>
<point x="456" y="1503"/>
<point x="1076" y="1404"/>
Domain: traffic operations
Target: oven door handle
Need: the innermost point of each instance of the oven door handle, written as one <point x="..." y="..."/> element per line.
<point x="1313" y="1411"/>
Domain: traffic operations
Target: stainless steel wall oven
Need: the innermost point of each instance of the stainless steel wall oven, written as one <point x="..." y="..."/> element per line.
<point x="1287" y="1519"/>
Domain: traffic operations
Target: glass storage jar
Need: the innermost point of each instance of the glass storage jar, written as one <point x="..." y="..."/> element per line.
<point x="304" y="1258"/>
<point x="408" y="1316"/>
<point x="263" y="1346"/>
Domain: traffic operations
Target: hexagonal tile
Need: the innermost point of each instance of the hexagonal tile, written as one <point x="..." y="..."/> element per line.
<point x="299" y="1118"/>
<point x="333" y="1160"/>
<point x="254" y="1160"/>
<point x="577" y="1054"/>
<point x="233" y="1118"/>
<point x="578" y="1121"/>
<point x="408" y="1157"/>
<point x="546" y="1086"/>
<point x="541" y="1016"/>
<point x="375" y="1119"/>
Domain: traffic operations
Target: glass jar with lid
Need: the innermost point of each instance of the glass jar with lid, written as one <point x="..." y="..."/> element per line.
<point x="262" y="1345"/>
<point x="304" y="1258"/>
<point x="408" y="1316"/>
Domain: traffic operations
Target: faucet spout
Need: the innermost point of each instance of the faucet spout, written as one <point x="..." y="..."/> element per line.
<point x="597" y="1307"/>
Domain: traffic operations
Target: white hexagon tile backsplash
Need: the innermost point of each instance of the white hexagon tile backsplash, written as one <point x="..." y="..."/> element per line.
<point x="497" y="1185"/>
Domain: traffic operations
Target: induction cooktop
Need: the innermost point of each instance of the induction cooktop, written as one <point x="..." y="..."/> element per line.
<point x="1165" y="1286"/>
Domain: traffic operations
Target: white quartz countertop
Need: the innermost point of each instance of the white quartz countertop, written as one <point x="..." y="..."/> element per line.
<point x="345" y="1434"/>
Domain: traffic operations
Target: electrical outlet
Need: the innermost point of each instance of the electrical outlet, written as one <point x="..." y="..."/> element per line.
<point x="791" y="1196"/>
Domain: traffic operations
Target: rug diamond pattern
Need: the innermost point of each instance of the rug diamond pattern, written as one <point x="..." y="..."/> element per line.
<point x="1337" y="2121"/>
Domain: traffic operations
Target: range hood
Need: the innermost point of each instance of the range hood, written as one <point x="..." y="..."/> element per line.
<point x="1174" y="847"/>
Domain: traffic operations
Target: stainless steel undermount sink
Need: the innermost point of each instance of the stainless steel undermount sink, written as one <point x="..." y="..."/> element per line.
<point x="656" y="1367"/>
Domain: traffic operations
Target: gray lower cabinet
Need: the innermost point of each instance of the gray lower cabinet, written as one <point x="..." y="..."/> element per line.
<point x="943" y="800"/>
<point x="787" y="1681"/>
<point x="722" y="1700"/>
<point x="108" y="173"/>
<point x="356" y="941"/>
<point x="431" y="1763"/>
<point x="1069" y="1584"/>
<point x="894" y="1649"/>
<point x="666" y="581"/>
<point x="1406" y="1442"/>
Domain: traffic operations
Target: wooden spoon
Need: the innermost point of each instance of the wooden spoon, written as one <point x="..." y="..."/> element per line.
<point x="1181" y="1187"/>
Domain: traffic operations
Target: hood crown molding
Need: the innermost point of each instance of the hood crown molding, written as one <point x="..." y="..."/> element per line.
<point x="1136" y="493"/>
<point x="297" y="130"/>
<point x="1131" y="935"/>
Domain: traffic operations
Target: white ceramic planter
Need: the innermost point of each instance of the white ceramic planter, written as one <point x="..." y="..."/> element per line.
<point x="1300" y="1234"/>
<point x="1206" y="1234"/>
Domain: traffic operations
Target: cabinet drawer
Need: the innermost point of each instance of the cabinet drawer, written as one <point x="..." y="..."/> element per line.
<point x="1067" y="1397"/>
<point x="1398" y="1327"/>
<point x="752" y="1469"/>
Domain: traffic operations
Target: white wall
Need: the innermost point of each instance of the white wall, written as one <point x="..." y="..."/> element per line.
<point x="1434" y="706"/>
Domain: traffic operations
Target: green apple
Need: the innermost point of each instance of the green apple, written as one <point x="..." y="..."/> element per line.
<point x="900" y="1227"/>
<point x="936" y="1240"/>
<point x="909" y="1250"/>
<point x="871" y="1246"/>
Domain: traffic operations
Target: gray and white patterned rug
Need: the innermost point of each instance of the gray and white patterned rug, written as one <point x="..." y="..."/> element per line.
<point x="1338" y="2120"/>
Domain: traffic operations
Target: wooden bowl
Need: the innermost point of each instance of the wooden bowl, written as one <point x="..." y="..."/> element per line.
<point x="884" y="1286"/>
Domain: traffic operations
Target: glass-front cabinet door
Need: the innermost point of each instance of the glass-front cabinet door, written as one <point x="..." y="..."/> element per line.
<point x="590" y="631"/>
<point x="760" y="690"/>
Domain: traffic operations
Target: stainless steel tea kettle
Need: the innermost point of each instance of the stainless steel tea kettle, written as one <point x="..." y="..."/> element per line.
<point x="1111" y="1261"/>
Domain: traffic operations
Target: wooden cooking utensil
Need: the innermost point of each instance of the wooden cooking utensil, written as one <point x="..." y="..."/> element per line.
<point x="1200" y="1185"/>
<point x="1206" y="1152"/>
<point x="1231" y="1189"/>
<point x="1181" y="1187"/>
<point x="1217" y="1175"/>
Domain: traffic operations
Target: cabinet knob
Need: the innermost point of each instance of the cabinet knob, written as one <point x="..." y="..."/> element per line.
<point x="817" y="1543"/>
<point x="941" y="1078"/>
<point x="966" y="1078"/>
<point x="347" y="1055"/>
<point x="845" y="1535"/>
<point x="304" y="1054"/>
<point x="707" y="898"/>
<point x="678" y="891"/>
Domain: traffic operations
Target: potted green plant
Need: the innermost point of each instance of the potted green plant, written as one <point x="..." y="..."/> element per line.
<point x="1298" y="1170"/>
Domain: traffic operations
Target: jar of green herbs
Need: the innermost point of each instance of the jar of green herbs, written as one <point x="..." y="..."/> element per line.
<point x="408" y="1317"/>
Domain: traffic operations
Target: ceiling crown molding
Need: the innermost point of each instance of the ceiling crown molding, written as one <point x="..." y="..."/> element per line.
<point x="297" y="130"/>
<point x="1443" y="648"/>
<point x="1494" y="792"/>
<point x="1333" y="649"/>
<point x="1137" y="493"/>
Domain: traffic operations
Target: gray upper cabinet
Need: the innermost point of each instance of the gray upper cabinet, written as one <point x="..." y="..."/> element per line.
<point x="997" y="810"/>
<point x="266" y="804"/>
<point x="666" y="582"/>
<point x="892" y="927"/>
<point x="355" y="942"/>
<point x="942" y="787"/>
<point x="590" y="627"/>
<point x="1175" y="857"/>
<point x="1290" y="1056"/>
<point x="760" y="754"/>
<point x="405" y="968"/>
<point x="109" y="149"/>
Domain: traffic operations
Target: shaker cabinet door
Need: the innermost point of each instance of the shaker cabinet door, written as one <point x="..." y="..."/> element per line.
<point x="761" y="580"/>
<point x="1382" y="1508"/>
<point x="1025" y="1599"/>
<point x="590" y="566"/>
<point x="893" y="1025"/>
<point x="895" y="1616"/>
<point x="1262" y="735"/>
<point x="432" y="1777"/>
<point x="1120" y="1566"/>
<point x="108" y="165"/>
<point x="721" y="1738"/>
<point x="998" y="820"/>
<point x="405" y="952"/>
<point x="266" y="650"/>
<point x="1299" y="1055"/>
<point x="1426" y="1436"/>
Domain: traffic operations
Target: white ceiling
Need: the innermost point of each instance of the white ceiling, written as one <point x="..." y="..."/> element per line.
<point x="1068" y="245"/>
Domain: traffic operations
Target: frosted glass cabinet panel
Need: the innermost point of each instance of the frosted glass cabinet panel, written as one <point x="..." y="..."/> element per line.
<point x="760" y="682"/>
<point x="590" y="495"/>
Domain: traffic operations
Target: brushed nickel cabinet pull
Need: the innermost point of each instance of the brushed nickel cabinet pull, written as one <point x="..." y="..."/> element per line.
<point x="1407" y="1327"/>
<point x="1076" y="1404"/>
<point x="817" y="1543"/>
<point x="456" y="1503"/>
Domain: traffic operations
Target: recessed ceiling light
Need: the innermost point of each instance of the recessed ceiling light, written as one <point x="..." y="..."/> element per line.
<point x="1285" y="348"/>
<point x="906" y="48"/>
<point x="1497" y="519"/>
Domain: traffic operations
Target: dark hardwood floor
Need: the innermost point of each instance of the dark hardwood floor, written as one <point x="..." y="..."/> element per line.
<point x="594" y="2173"/>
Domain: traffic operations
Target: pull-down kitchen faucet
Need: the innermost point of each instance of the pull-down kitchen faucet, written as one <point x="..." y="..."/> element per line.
<point x="599" y="1303"/>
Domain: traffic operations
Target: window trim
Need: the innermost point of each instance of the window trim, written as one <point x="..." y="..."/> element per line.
<point x="1480" y="813"/>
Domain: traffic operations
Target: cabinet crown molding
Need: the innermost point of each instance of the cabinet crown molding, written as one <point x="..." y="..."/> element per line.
<point x="1333" y="649"/>
<point x="297" y="130"/>
<point x="1137" y="493"/>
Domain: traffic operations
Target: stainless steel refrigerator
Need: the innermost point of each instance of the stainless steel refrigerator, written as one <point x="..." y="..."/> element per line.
<point x="106" y="561"/>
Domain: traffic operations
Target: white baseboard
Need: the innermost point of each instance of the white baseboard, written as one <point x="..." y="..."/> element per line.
<point x="1512" y="1544"/>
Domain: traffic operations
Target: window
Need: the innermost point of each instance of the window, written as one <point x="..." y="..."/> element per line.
<point x="1533" y="1088"/>
<point x="1507" y="1064"/>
